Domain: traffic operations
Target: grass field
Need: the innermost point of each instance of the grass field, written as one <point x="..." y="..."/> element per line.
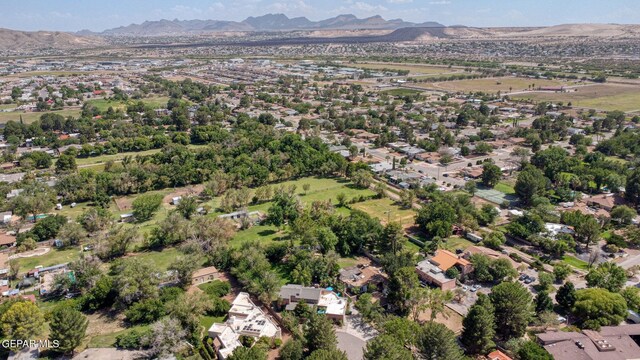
<point x="53" y="257"/>
<point x="505" y="188"/>
<point x="401" y="92"/>
<point x="379" y="209"/>
<point x="161" y="260"/>
<point x="104" y="104"/>
<point x="605" y="97"/>
<point x="30" y="117"/>
<point x="454" y="243"/>
<point x="577" y="263"/>
<point x="503" y="84"/>
<point x="414" y="69"/>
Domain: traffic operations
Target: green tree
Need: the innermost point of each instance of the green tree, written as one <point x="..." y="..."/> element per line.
<point x="623" y="214"/>
<point x="607" y="276"/>
<point x="386" y="347"/>
<point x="66" y="163"/>
<point x="438" y="342"/>
<point x="23" y="320"/>
<point x="632" y="296"/>
<point x="561" y="271"/>
<point x="566" y="296"/>
<point x="543" y="302"/>
<point x="362" y="179"/>
<point x="599" y="307"/>
<point x="134" y="280"/>
<point x="144" y="206"/>
<point x="69" y="327"/>
<point x="323" y="354"/>
<point x="319" y="334"/>
<point x="512" y="304"/>
<point x="479" y="327"/>
<point x="292" y="350"/>
<point x="471" y="187"/>
<point x="531" y="182"/>
<point x="491" y="174"/>
<point x="436" y="218"/>
<point x="532" y="351"/>
<point x="184" y="266"/>
<point x="402" y="285"/>
<point x="72" y="234"/>
<point x="187" y="206"/>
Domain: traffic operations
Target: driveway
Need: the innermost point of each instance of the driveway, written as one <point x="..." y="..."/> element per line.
<point x="351" y="344"/>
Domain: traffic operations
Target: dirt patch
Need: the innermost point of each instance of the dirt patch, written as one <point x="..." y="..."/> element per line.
<point x="104" y="322"/>
<point x="124" y="203"/>
<point x="31" y="253"/>
<point x="452" y="319"/>
<point x="189" y="190"/>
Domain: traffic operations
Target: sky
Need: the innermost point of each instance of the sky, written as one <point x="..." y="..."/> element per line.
<point x="96" y="15"/>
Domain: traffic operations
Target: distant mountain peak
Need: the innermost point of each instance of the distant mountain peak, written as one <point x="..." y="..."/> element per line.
<point x="267" y="22"/>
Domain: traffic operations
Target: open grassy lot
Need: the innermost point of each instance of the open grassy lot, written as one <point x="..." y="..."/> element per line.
<point x="160" y="259"/>
<point x="454" y="243"/>
<point x="30" y="117"/>
<point x="104" y="104"/>
<point x="265" y="234"/>
<point x="575" y="262"/>
<point x="401" y="92"/>
<point x="414" y="69"/>
<point x="384" y="209"/>
<point x="605" y="97"/>
<point x="109" y="339"/>
<point x="53" y="257"/>
<point x="505" y="188"/>
<point x="115" y="157"/>
<point x="504" y="84"/>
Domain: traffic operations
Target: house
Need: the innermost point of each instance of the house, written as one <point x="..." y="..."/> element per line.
<point x="253" y="216"/>
<point x="204" y="275"/>
<point x="432" y="274"/>
<point x="498" y="355"/>
<point x="433" y="270"/>
<point x="490" y="253"/>
<point x="5" y="217"/>
<point x="610" y="343"/>
<point x="327" y="302"/>
<point x="556" y="229"/>
<point x="362" y="277"/>
<point x="604" y="201"/>
<point x="7" y="240"/>
<point x="244" y="319"/>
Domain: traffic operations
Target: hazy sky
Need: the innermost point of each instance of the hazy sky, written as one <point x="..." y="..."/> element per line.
<point x="97" y="15"/>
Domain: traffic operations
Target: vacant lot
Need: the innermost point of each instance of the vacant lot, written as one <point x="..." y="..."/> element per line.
<point x="29" y="117"/>
<point x="386" y="209"/>
<point x="605" y="97"/>
<point x="503" y="84"/>
<point x="154" y="102"/>
<point x="53" y="257"/>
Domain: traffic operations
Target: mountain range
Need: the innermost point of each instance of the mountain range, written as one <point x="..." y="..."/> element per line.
<point x="269" y="22"/>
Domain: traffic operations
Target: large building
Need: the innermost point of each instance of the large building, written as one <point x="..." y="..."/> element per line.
<point x="610" y="343"/>
<point x="244" y="319"/>
<point x="433" y="270"/>
<point x="327" y="302"/>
